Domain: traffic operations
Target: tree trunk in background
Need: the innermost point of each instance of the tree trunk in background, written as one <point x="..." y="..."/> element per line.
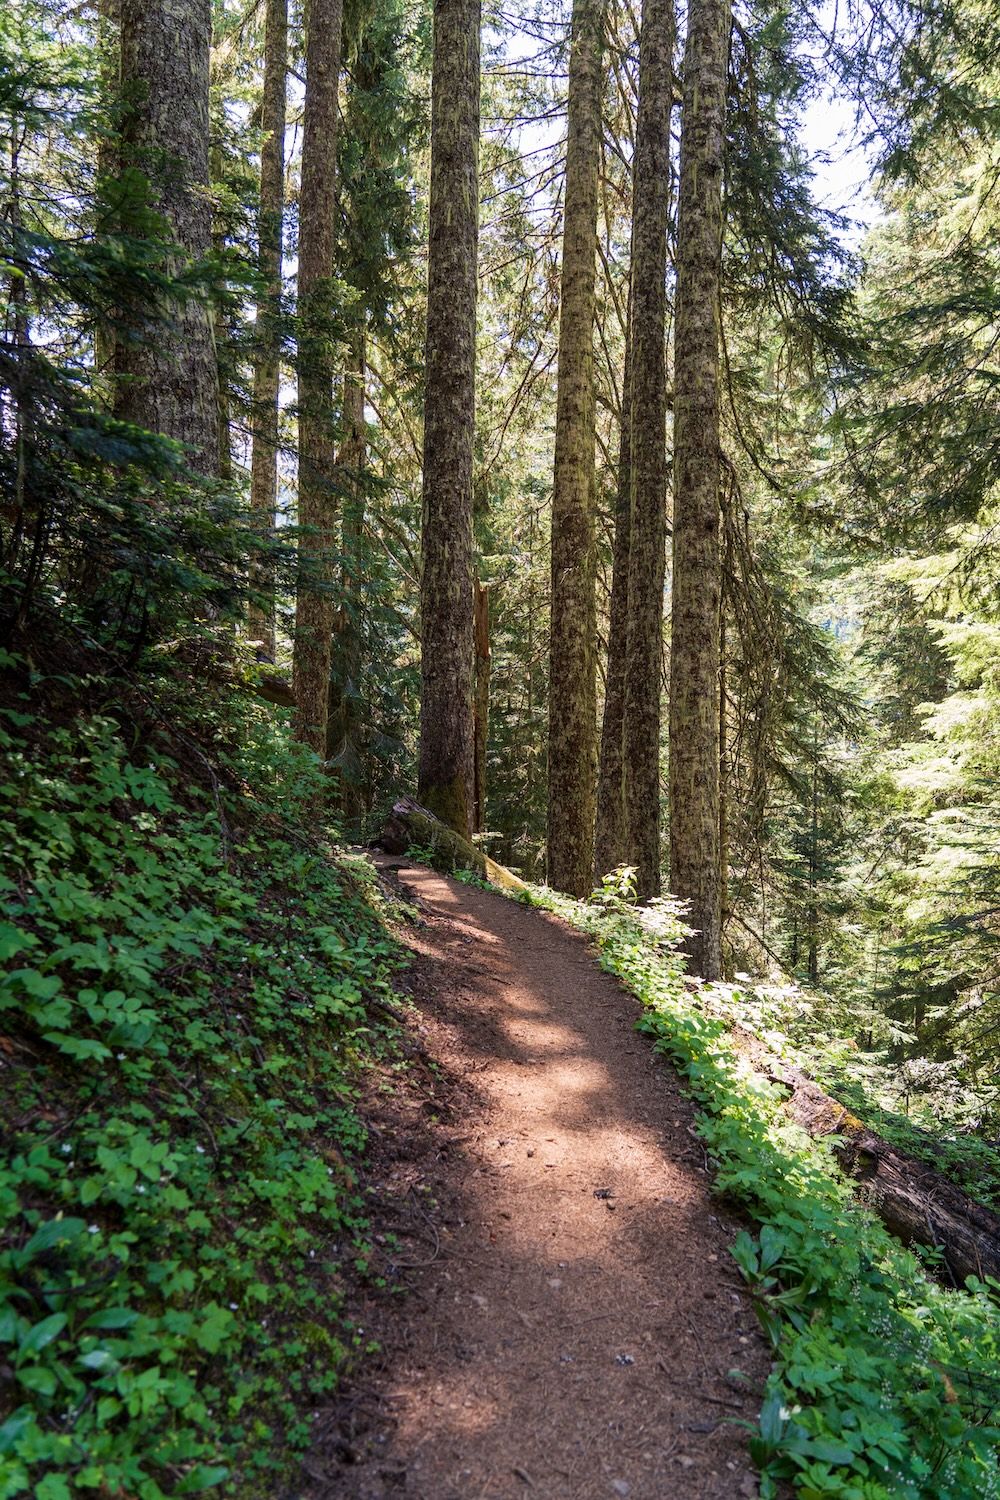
<point x="343" y="727"/>
<point x="609" y="832"/>
<point x="108" y="171"/>
<point x="446" y="768"/>
<point x="314" y="606"/>
<point x="572" y="768"/>
<point x="170" y="381"/>
<point x="694" y="657"/>
<point x="647" y="554"/>
<point x="267" y="366"/>
<point x="482" y="713"/>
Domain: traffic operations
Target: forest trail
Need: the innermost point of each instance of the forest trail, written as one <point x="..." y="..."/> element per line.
<point x="572" y="1312"/>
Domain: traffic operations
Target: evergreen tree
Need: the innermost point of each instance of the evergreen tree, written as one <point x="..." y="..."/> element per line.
<point x="170" y="383"/>
<point x="572" y="743"/>
<point x="446" y="771"/>
<point x="695" y="862"/>
<point x="647" y="449"/>
<point x="315" y="607"/>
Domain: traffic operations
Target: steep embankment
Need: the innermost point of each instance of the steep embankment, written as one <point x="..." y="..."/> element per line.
<point x="187" y="982"/>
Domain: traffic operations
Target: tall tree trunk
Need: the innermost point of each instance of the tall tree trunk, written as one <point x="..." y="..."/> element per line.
<point x="267" y="367"/>
<point x="609" y="831"/>
<point x="572" y="767"/>
<point x="446" y="771"/>
<point x="314" y="605"/>
<point x="697" y="570"/>
<point x="482" y="713"/>
<point x="647" y="554"/>
<point x="343" y="727"/>
<point x="170" y="381"/>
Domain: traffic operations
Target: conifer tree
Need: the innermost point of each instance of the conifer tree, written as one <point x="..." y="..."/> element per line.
<point x="266" y="372"/>
<point x="169" y="383"/>
<point x="572" y="740"/>
<point x="647" y="450"/>
<point x="447" y="607"/>
<point x="314" y="608"/>
<point x="695" y="862"/>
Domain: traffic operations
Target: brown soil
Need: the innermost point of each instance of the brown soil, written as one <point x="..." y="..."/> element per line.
<point x="572" y="1313"/>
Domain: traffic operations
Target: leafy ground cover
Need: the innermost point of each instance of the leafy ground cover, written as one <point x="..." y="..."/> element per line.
<point x="191" y="974"/>
<point x="884" y="1383"/>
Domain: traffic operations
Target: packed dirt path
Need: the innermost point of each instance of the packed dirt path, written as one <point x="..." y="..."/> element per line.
<point x="572" y="1313"/>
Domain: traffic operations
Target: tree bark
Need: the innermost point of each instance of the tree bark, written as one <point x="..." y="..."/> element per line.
<point x="647" y="554"/>
<point x="314" y="606"/>
<point x="609" y="831"/>
<point x="697" y="569"/>
<point x="446" y="769"/>
<point x="572" y="744"/>
<point x="409" y="824"/>
<point x="914" y="1201"/>
<point x="267" y="366"/>
<point x="482" y="713"/>
<point x="343" y="728"/>
<point x="169" y="382"/>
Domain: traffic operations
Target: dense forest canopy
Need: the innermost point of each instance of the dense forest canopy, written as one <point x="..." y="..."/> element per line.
<point x="214" y="374"/>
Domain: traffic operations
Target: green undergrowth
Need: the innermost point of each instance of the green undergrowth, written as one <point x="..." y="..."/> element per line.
<point x="191" y="978"/>
<point x="884" y="1384"/>
<point x="922" y="1106"/>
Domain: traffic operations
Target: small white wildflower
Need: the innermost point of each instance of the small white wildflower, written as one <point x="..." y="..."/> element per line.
<point x="140" y="1188"/>
<point x="234" y="1307"/>
<point x="120" y="1056"/>
<point x="92" y="1229"/>
<point x="65" y="1148"/>
<point x="200" y="1150"/>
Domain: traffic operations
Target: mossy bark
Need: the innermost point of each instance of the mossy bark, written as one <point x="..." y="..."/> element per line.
<point x="445" y="777"/>
<point x="572" y="739"/>
<point x="167" y="378"/>
<point x="609" y="831"/>
<point x="411" y="826"/>
<point x="648" y="449"/>
<point x="267" y="332"/>
<point x="318" y="509"/>
<point x="695" y="867"/>
<point x="482" y="712"/>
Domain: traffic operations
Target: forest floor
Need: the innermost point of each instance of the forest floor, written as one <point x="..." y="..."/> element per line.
<point x="566" y="1315"/>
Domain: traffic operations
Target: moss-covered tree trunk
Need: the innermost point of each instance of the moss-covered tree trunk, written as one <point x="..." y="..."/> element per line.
<point x="168" y="381"/>
<point x="572" y="740"/>
<point x="695" y="871"/>
<point x="482" y="710"/>
<point x="647" y="553"/>
<point x="318" y="510"/>
<point x="609" y="831"/>
<point x="447" y="608"/>
<point x="344" y="727"/>
<point x="267" y="333"/>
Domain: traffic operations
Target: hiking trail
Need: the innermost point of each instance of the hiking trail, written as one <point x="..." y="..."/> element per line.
<point x="572" y="1313"/>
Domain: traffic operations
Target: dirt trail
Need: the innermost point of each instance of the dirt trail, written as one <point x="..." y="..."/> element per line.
<point x="573" y="1313"/>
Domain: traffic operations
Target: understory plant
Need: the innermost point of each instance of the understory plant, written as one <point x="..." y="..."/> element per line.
<point x="884" y="1383"/>
<point x="188" y="982"/>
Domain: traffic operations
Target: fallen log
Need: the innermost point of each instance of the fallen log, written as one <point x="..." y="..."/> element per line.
<point x="411" y="826"/>
<point x="914" y="1201"/>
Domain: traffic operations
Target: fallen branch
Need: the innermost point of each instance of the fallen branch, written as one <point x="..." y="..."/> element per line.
<point x="410" y="825"/>
<point x="914" y="1201"/>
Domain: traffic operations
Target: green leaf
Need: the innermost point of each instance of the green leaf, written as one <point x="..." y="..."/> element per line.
<point x="112" y="1317"/>
<point x="205" y="1477"/>
<point x="15" y="1427"/>
<point x="38" y="1378"/>
<point x="41" y="1334"/>
<point x="54" y="1232"/>
<point x="80" y="1048"/>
